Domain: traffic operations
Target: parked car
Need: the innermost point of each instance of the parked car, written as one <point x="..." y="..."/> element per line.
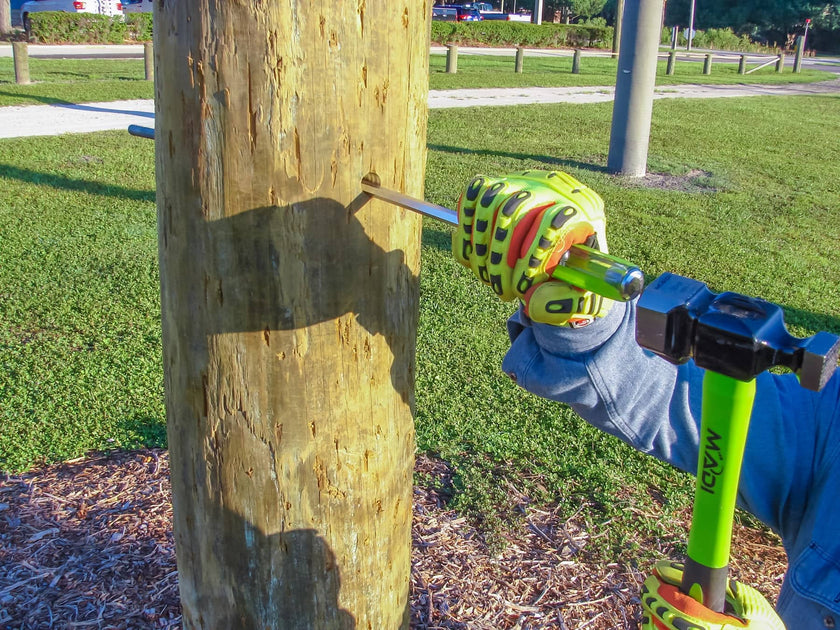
<point x="136" y="6"/>
<point x="445" y="14"/>
<point x="483" y="7"/>
<point x="104" y="7"/>
<point x="465" y="13"/>
<point x="15" y="8"/>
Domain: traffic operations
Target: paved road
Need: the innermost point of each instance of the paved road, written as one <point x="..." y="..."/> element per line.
<point x="49" y="120"/>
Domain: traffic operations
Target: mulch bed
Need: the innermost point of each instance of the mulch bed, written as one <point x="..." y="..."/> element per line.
<point x="88" y="544"/>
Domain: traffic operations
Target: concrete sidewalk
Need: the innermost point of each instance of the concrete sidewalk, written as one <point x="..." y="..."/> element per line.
<point x="49" y="120"/>
<point x="78" y="51"/>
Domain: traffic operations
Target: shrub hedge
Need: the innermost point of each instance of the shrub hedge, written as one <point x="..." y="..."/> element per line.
<point x="56" y="27"/>
<point x="498" y="33"/>
<point x="717" y="39"/>
<point x="139" y="27"/>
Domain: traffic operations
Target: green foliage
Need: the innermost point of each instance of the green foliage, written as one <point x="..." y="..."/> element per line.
<point x="75" y="81"/>
<point x="499" y="33"/>
<point x="57" y="27"/>
<point x="79" y="301"/>
<point x="596" y="21"/>
<point x="716" y="39"/>
<point x="139" y="26"/>
<point x="587" y="8"/>
<point x="773" y="22"/>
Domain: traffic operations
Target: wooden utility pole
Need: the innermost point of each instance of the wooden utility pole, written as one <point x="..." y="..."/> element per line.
<point x="289" y="305"/>
<point x="5" y="16"/>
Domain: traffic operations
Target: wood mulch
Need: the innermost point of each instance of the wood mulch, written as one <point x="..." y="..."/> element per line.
<point x="88" y="544"/>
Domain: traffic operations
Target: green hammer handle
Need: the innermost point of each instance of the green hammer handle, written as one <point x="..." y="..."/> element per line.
<point x="725" y="419"/>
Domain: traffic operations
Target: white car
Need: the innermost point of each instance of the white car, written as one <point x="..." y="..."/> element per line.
<point x="104" y="7"/>
<point x="136" y="6"/>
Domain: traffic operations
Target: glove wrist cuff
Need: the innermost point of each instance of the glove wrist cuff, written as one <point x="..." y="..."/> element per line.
<point x="567" y="341"/>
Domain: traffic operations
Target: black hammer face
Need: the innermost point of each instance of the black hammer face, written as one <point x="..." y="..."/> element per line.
<point x="679" y="319"/>
<point x="665" y="316"/>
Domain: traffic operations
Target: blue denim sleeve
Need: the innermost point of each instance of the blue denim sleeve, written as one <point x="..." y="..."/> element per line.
<point x="618" y="387"/>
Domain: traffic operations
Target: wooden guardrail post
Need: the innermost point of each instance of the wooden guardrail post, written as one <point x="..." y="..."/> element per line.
<point x="451" y="59"/>
<point x="576" y="62"/>
<point x="742" y="64"/>
<point x="20" y="51"/>
<point x="797" y="60"/>
<point x="780" y="62"/>
<point x="672" y="62"/>
<point x="149" y="61"/>
<point x="707" y="64"/>
<point x="520" y="60"/>
<point x="619" y="20"/>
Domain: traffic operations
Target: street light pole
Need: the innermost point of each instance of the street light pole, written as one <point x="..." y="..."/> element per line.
<point x="691" y="26"/>
<point x="635" y="80"/>
<point x="538" y="11"/>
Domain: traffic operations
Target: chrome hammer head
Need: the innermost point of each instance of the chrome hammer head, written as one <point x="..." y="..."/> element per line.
<point x="680" y="319"/>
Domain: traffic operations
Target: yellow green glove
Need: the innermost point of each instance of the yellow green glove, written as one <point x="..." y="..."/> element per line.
<point x="513" y="231"/>
<point x="667" y="608"/>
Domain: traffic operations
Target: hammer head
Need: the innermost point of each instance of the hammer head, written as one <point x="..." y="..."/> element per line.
<point x="739" y="336"/>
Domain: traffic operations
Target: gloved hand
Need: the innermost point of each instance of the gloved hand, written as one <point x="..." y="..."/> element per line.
<point x="513" y="231"/>
<point x="667" y="608"/>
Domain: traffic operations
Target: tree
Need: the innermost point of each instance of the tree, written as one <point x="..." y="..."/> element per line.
<point x="289" y="305"/>
<point x="587" y="8"/>
<point x="746" y="16"/>
<point x="575" y="9"/>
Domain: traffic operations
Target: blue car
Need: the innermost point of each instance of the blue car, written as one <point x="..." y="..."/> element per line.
<point x="16" y="18"/>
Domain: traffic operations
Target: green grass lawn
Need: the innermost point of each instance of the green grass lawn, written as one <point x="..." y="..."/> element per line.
<point x="74" y="81"/>
<point x="758" y="212"/>
<point x="91" y="80"/>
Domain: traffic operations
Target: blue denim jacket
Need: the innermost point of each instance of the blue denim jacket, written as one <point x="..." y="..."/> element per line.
<point x="791" y="472"/>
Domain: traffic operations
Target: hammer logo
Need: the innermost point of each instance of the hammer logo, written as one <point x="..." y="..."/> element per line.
<point x="712" y="462"/>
